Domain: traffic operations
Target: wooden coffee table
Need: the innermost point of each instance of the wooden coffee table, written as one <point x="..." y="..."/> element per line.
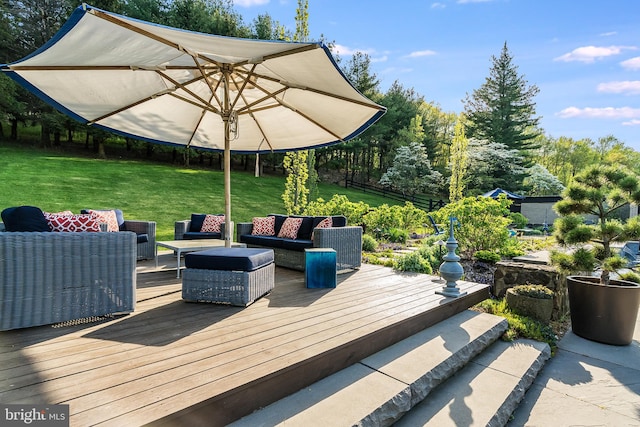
<point x="184" y="246"/>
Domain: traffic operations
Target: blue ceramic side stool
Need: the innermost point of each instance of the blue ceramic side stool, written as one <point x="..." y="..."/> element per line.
<point x="320" y="268"/>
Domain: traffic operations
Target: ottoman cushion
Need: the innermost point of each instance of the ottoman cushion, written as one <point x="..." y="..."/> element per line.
<point x="229" y="259"/>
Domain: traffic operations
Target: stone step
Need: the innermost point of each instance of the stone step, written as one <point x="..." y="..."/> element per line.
<point x="486" y="391"/>
<point x="382" y="388"/>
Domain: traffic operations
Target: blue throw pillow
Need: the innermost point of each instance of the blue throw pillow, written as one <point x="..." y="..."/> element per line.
<point x="196" y="222"/>
<point x="24" y="218"/>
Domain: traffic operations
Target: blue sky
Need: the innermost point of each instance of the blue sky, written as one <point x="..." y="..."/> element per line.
<point x="584" y="55"/>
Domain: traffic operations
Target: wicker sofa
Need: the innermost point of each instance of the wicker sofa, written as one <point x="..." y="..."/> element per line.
<point x="289" y="253"/>
<point x="52" y="277"/>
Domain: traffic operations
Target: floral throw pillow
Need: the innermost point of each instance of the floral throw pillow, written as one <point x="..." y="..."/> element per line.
<point x="107" y="217"/>
<point x="290" y="227"/>
<point x="212" y="223"/>
<point x="325" y="223"/>
<point x="264" y="226"/>
<point x="72" y="223"/>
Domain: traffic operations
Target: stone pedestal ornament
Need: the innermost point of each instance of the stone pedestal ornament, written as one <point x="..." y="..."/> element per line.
<point x="451" y="270"/>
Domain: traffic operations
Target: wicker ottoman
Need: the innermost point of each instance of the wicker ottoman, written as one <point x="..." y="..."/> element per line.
<point x="236" y="276"/>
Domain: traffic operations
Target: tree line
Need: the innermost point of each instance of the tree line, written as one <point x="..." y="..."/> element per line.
<point x="416" y="147"/>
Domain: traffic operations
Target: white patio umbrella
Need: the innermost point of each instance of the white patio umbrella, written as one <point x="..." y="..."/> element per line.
<point x="171" y="86"/>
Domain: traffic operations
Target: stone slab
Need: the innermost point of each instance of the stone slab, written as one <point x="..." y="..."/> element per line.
<point x="538" y="257"/>
<point x="426" y="359"/>
<point x="342" y="399"/>
<point x="381" y="388"/>
<point x="604" y="385"/>
<point x="486" y="391"/>
<point x="586" y="383"/>
<point x="544" y="407"/>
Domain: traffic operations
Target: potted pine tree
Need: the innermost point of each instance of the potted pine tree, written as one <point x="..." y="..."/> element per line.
<point x="602" y="309"/>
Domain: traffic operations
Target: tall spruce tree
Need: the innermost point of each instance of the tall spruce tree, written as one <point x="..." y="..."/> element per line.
<point x="503" y="111"/>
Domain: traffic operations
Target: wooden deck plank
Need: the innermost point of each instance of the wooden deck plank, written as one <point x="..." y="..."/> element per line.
<point x="170" y="359"/>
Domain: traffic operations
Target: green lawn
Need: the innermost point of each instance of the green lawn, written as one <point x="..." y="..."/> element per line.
<point x="163" y="193"/>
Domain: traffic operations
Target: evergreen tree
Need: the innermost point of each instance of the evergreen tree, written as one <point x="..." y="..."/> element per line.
<point x="295" y="196"/>
<point x="301" y="170"/>
<point x="458" y="161"/>
<point x="502" y="110"/>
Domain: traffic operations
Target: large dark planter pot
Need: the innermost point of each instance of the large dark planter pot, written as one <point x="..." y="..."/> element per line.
<point x="606" y="314"/>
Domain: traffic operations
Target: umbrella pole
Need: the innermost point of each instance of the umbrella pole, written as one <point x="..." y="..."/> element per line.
<point x="227" y="186"/>
<point x="227" y="162"/>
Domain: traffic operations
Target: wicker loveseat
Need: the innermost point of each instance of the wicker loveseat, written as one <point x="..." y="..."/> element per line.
<point x="191" y="229"/>
<point x="145" y="233"/>
<point x="52" y="277"/>
<point x="289" y="253"/>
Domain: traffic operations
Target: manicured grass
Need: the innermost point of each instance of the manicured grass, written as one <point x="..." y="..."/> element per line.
<point x="56" y="181"/>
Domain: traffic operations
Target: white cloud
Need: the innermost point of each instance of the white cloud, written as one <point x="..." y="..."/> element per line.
<point x="438" y="5"/>
<point x="610" y="33"/>
<point x="589" y="54"/>
<point x="421" y="53"/>
<point x="631" y="64"/>
<point x="600" y="113"/>
<point x="383" y="58"/>
<point x="250" y="3"/>
<point x="627" y="87"/>
<point x="345" y="50"/>
<point x="634" y="122"/>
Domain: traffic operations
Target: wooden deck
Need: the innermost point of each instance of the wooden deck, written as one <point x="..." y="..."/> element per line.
<point x="177" y="363"/>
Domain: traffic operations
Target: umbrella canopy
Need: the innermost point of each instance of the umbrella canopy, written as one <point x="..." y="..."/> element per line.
<point x="171" y="86"/>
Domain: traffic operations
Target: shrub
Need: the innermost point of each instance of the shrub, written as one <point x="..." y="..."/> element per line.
<point x="339" y="205"/>
<point x="430" y="252"/>
<point x="630" y="276"/>
<point x="397" y="235"/>
<point x="534" y="232"/>
<point x="533" y="291"/>
<point x="384" y="218"/>
<point x="519" y="326"/>
<point x="519" y="220"/>
<point x="413" y="261"/>
<point x="512" y="248"/>
<point x="482" y="222"/>
<point x="487" y="256"/>
<point x="369" y="243"/>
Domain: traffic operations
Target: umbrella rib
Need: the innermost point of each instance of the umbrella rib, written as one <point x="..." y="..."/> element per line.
<point x="250" y="112"/>
<point x="244" y="84"/>
<point x="288" y="85"/>
<point x="195" y="129"/>
<point x="261" y="100"/>
<point x="126" y="107"/>
<point x="116" y="21"/>
<point x="183" y="86"/>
